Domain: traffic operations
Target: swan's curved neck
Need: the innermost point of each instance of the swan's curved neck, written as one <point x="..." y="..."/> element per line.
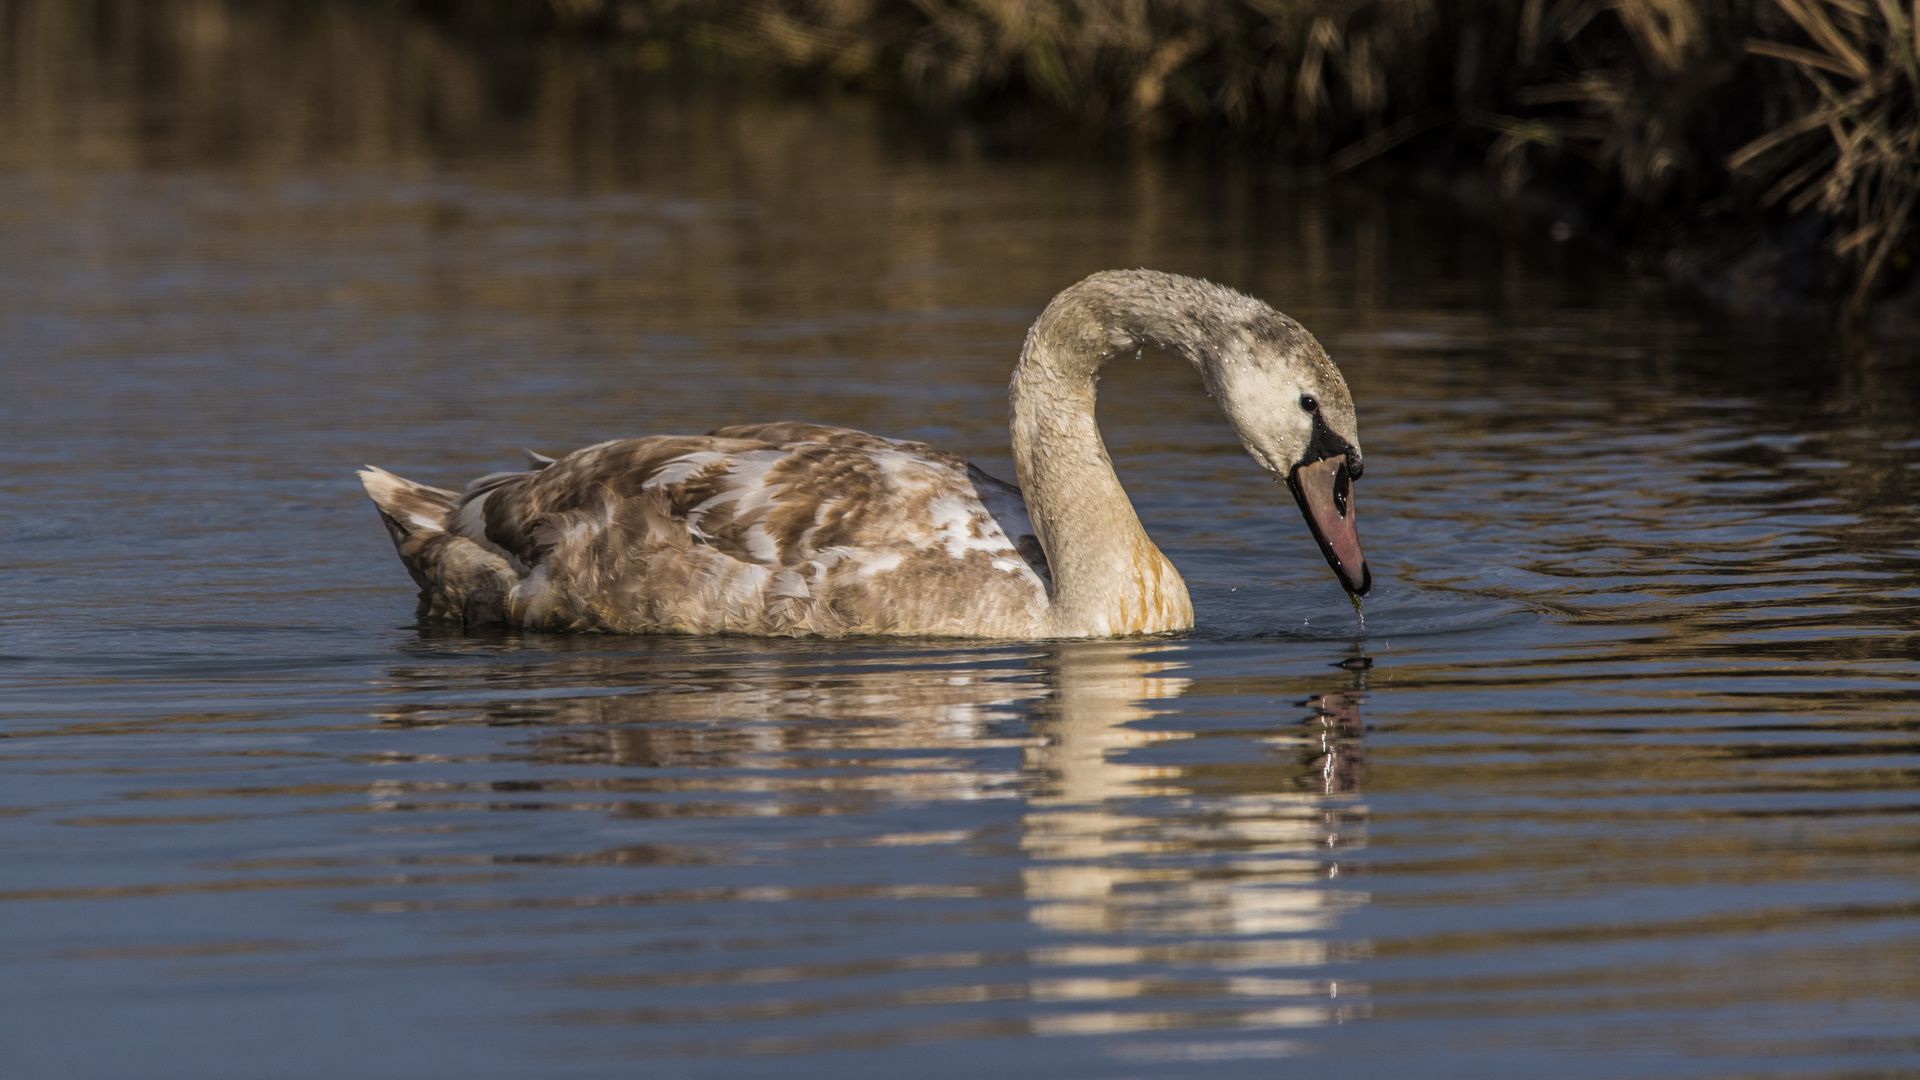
<point x="1108" y="577"/>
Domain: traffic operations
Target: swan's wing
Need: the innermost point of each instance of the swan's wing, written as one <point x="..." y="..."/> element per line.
<point x="824" y="531"/>
<point x="1002" y="501"/>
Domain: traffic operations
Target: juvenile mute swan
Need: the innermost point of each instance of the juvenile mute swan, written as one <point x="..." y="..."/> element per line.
<point x="792" y="528"/>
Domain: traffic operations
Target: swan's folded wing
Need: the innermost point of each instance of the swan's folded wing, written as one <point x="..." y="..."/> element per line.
<point x="604" y="491"/>
<point x="828" y="531"/>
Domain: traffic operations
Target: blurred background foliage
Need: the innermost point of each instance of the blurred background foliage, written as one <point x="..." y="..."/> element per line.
<point x="1765" y="149"/>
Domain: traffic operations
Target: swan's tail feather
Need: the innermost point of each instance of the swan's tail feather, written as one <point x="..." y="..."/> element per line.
<point x="407" y="506"/>
<point x="459" y="580"/>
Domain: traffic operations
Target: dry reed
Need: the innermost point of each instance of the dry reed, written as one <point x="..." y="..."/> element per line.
<point x="1853" y="151"/>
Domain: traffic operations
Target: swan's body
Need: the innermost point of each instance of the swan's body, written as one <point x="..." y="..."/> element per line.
<point x="804" y="529"/>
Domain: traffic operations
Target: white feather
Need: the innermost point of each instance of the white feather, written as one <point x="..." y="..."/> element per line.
<point x="677" y="470"/>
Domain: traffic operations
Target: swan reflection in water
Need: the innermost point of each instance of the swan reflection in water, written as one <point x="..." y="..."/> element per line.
<point x="1212" y="863"/>
<point x="1176" y="878"/>
<point x="1113" y="840"/>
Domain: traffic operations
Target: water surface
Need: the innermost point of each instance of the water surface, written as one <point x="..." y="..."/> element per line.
<point x="1620" y="778"/>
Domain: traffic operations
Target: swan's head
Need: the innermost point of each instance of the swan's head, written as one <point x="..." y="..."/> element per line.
<point x="1290" y="407"/>
<point x="1281" y="393"/>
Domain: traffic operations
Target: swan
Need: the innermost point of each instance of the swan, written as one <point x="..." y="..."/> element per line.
<point x="804" y="529"/>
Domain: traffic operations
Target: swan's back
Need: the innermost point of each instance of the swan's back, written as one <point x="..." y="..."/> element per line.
<point x="765" y="529"/>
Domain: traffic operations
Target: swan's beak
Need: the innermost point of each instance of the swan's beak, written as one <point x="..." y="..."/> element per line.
<point x="1325" y="494"/>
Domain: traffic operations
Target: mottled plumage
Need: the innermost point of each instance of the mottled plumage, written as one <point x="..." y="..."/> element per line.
<point x="767" y="529"/>
<point x="793" y="528"/>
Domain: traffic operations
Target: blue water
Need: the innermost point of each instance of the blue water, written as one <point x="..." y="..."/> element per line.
<point x="1619" y="779"/>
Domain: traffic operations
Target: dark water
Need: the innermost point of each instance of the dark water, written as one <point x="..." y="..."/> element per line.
<point x="1631" y="787"/>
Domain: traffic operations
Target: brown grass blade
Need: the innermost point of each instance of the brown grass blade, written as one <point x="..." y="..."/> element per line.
<point x="1857" y="238"/>
<point x="1800" y="175"/>
<point x="1796" y="54"/>
<point x="1666" y="29"/>
<point x="1596" y="88"/>
<point x="1385" y="139"/>
<point x="1822" y="31"/>
<point x="1901" y="44"/>
<point x="1896" y="227"/>
<point x="1811" y="121"/>
<point x="1150" y="88"/>
<point x="1814" y="192"/>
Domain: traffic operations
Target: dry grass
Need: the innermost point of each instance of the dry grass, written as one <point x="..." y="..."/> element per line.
<point x="1853" y="151"/>
<point x="1659" y="109"/>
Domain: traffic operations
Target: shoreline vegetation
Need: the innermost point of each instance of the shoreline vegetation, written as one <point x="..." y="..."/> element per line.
<point x="1767" y="151"/>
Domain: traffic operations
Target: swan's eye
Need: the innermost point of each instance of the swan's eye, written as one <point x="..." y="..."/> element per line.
<point x="1309" y="403"/>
